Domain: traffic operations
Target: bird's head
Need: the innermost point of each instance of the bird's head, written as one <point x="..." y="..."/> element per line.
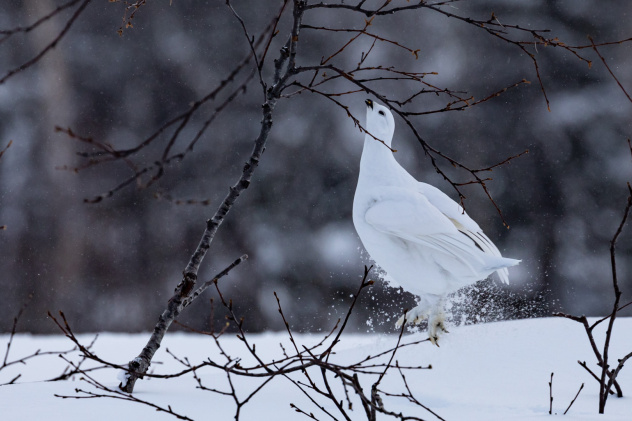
<point x="379" y="121"/>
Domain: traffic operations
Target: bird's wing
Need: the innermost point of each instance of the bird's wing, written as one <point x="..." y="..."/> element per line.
<point x="409" y="215"/>
<point x="448" y="207"/>
<point x="406" y="213"/>
<point x="461" y="220"/>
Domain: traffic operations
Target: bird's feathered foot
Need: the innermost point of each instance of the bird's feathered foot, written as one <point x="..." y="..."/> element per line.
<point x="433" y="312"/>
<point x="436" y="324"/>
<point x="413" y="317"/>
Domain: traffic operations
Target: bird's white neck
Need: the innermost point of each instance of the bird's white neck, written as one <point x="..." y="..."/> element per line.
<point x="377" y="160"/>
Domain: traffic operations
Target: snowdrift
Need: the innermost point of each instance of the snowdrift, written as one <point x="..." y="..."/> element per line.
<point x="494" y="371"/>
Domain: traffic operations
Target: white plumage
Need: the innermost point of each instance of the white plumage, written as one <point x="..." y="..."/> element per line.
<point x="421" y="237"/>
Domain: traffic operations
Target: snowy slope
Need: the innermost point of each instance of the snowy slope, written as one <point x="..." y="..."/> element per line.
<point x="495" y="371"/>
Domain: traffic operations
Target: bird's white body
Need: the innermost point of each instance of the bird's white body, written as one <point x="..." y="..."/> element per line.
<point x="420" y="236"/>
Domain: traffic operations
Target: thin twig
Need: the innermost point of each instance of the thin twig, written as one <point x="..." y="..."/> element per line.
<point x="603" y="60"/>
<point x="607" y="378"/>
<point x="573" y="401"/>
<point x="50" y="45"/>
<point x="551" y="395"/>
<point x="594" y="376"/>
<point x="114" y="394"/>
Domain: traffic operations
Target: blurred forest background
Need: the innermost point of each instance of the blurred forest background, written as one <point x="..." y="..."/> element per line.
<point x="112" y="265"/>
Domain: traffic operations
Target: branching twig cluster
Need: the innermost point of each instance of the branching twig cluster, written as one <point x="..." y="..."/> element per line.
<point x="288" y="79"/>
<point x="69" y="371"/>
<point x="284" y="69"/>
<point x="170" y="134"/>
<point x="608" y="377"/>
<point x="311" y="369"/>
<point x="183" y="297"/>
<point x="131" y="8"/>
<point x="326" y="79"/>
<point x="108" y="392"/>
<point x="5" y="34"/>
<point x="286" y="76"/>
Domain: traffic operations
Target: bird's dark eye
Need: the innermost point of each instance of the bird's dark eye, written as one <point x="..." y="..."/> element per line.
<point x="381" y="113"/>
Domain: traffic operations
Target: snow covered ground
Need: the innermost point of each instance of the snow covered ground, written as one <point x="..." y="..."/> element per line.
<point x="494" y="371"/>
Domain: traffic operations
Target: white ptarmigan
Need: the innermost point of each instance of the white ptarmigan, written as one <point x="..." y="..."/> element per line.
<point x="422" y="238"/>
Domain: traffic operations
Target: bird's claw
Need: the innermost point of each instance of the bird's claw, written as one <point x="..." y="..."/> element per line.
<point x="436" y="324"/>
<point x="441" y="326"/>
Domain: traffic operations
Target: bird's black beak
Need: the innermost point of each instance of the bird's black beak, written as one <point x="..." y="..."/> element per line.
<point x="369" y="103"/>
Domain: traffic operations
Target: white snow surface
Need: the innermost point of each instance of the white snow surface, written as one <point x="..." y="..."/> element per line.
<point x="494" y="371"/>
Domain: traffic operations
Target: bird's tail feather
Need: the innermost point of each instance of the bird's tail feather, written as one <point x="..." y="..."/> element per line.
<point x="500" y="266"/>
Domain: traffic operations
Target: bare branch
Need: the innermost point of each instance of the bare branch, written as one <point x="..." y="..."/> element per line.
<point x="129" y="13"/>
<point x="607" y="379"/>
<point x="360" y="32"/>
<point x="575" y="398"/>
<point x="38" y="353"/>
<point x="5" y="148"/>
<point x="15" y="323"/>
<point x="114" y="394"/>
<point x="26" y="29"/>
<point x="50" y="45"/>
<point x="430" y="151"/>
<point x="140" y="364"/>
<point x="296" y="364"/>
<point x="363" y="284"/>
<point x="603" y="60"/>
<point x="251" y="43"/>
<point x="551" y="395"/>
<point x="4" y="227"/>
<point x="180" y="300"/>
